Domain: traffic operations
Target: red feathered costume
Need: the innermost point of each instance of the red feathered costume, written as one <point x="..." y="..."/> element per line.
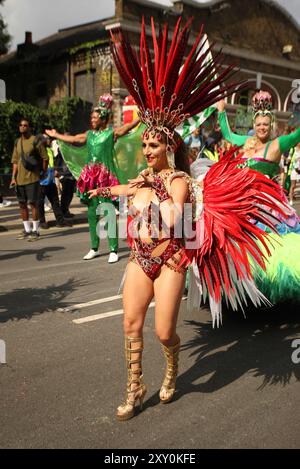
<point x="167" y="91"/>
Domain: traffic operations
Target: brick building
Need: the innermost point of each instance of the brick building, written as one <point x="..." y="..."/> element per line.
<point x="261" y="38"/>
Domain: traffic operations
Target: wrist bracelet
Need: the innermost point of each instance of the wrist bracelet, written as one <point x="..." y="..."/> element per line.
<point x="160" y="189"/>
<point x="104" y="192"/>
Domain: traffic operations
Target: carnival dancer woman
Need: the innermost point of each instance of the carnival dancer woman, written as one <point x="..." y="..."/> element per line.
<point x="262" y="152"/>
<point x="166" y="92"/>
<point x="281" y="280"/>
<point x="153" y="267"/>
<point x="98" y="167"/>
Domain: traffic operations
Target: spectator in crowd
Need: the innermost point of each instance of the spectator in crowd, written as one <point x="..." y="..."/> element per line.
<point x="66" y="180"/>
<point x="57" y="153"/>
<point x="210" y="150"/>
<point x="224" y="145"/>
<point x="294" y="172"/>
<point x="193" y="141"/>
<point x="29" y="158"/>
<point x="48" y="189"/>
<point x="284" y="167"/>
<point x="3" y="202"/>
<point x="284" y="163"/>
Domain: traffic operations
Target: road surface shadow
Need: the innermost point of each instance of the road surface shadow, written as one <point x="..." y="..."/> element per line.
<point x="24" y="303"/>
<point x="66" y="231"/>
<point x="40" y="254"/>
<point x="260" y="344"/>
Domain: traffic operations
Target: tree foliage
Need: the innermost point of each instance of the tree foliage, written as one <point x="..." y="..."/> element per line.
<point x="5" y="37"/>
<point x="59" y="115"/>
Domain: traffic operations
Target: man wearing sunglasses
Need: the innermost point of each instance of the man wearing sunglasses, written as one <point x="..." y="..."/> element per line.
<point x="29" y="159"/>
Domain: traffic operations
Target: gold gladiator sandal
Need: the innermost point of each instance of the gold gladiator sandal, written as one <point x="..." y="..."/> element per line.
<point x="168" y="387"/>
<point x="136" y="388"/>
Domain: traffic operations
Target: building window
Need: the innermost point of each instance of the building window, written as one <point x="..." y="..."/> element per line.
<point x="85" y="85"/>
<point x="244" y="97"/>
<point x="292" y="105"/>
<point x="42" y="94"/>
<point x="41" y="89"/>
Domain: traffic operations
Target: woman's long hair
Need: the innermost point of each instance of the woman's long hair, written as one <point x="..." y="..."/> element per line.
<point x="181" y="155"/>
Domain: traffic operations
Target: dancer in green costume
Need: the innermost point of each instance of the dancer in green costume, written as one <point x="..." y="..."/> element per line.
<point x="94" y="164"/>
<point x="281" y="280"/>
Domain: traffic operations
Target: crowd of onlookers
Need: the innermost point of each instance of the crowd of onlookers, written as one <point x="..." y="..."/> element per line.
<point x="40" y="179"/>
<point x="56" y="188"/>
<point x="207" y="145"/>
<point x="51" y="186"/>
<point x="290" y="171"/>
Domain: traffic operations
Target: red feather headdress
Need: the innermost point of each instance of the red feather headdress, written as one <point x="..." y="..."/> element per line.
<point x="171" y="87"/>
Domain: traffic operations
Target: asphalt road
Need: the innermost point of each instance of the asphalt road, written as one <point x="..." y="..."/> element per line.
<point x="237" y="387"/>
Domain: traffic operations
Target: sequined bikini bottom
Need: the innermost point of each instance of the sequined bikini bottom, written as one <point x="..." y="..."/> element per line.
<point x="143" y="255"/>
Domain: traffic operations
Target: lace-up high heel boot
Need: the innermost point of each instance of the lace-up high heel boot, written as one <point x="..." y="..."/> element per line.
<point x="168" y="387"/>
<point x="136" y="388"/>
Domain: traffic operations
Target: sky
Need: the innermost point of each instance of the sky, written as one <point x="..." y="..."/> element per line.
<point x="45" y="17"/>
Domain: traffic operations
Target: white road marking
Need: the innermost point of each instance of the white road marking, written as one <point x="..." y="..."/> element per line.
<point x="109" y="314"/>
<point x="117" y="312"/>
<point x="95" y="302"/>
<point x="9" y="215"/>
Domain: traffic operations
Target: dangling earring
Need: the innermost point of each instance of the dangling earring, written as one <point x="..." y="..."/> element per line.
<point x="170" y="157"/>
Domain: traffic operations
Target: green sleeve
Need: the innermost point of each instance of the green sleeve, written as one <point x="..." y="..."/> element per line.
<point x="232" y="138"/>
<point x="286" y="142"/>
<point x="74" y="157"/>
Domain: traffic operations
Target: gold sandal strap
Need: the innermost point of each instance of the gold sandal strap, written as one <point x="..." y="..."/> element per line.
<point x="133" y="339"/>
<point x="133" y="350"/>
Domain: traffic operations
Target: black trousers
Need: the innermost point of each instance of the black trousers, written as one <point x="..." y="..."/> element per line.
<point x="68" y="187"/>
<point x="50" y="191"/>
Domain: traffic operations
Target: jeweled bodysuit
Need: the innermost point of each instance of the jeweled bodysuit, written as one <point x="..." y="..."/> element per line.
<point x="158" y="248"/>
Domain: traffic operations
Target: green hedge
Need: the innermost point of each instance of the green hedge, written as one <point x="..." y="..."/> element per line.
<point x="59" y="116"/>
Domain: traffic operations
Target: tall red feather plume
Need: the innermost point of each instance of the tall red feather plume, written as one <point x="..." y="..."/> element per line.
<point x="234" y="199"/>
<point x="168" y="88"/>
